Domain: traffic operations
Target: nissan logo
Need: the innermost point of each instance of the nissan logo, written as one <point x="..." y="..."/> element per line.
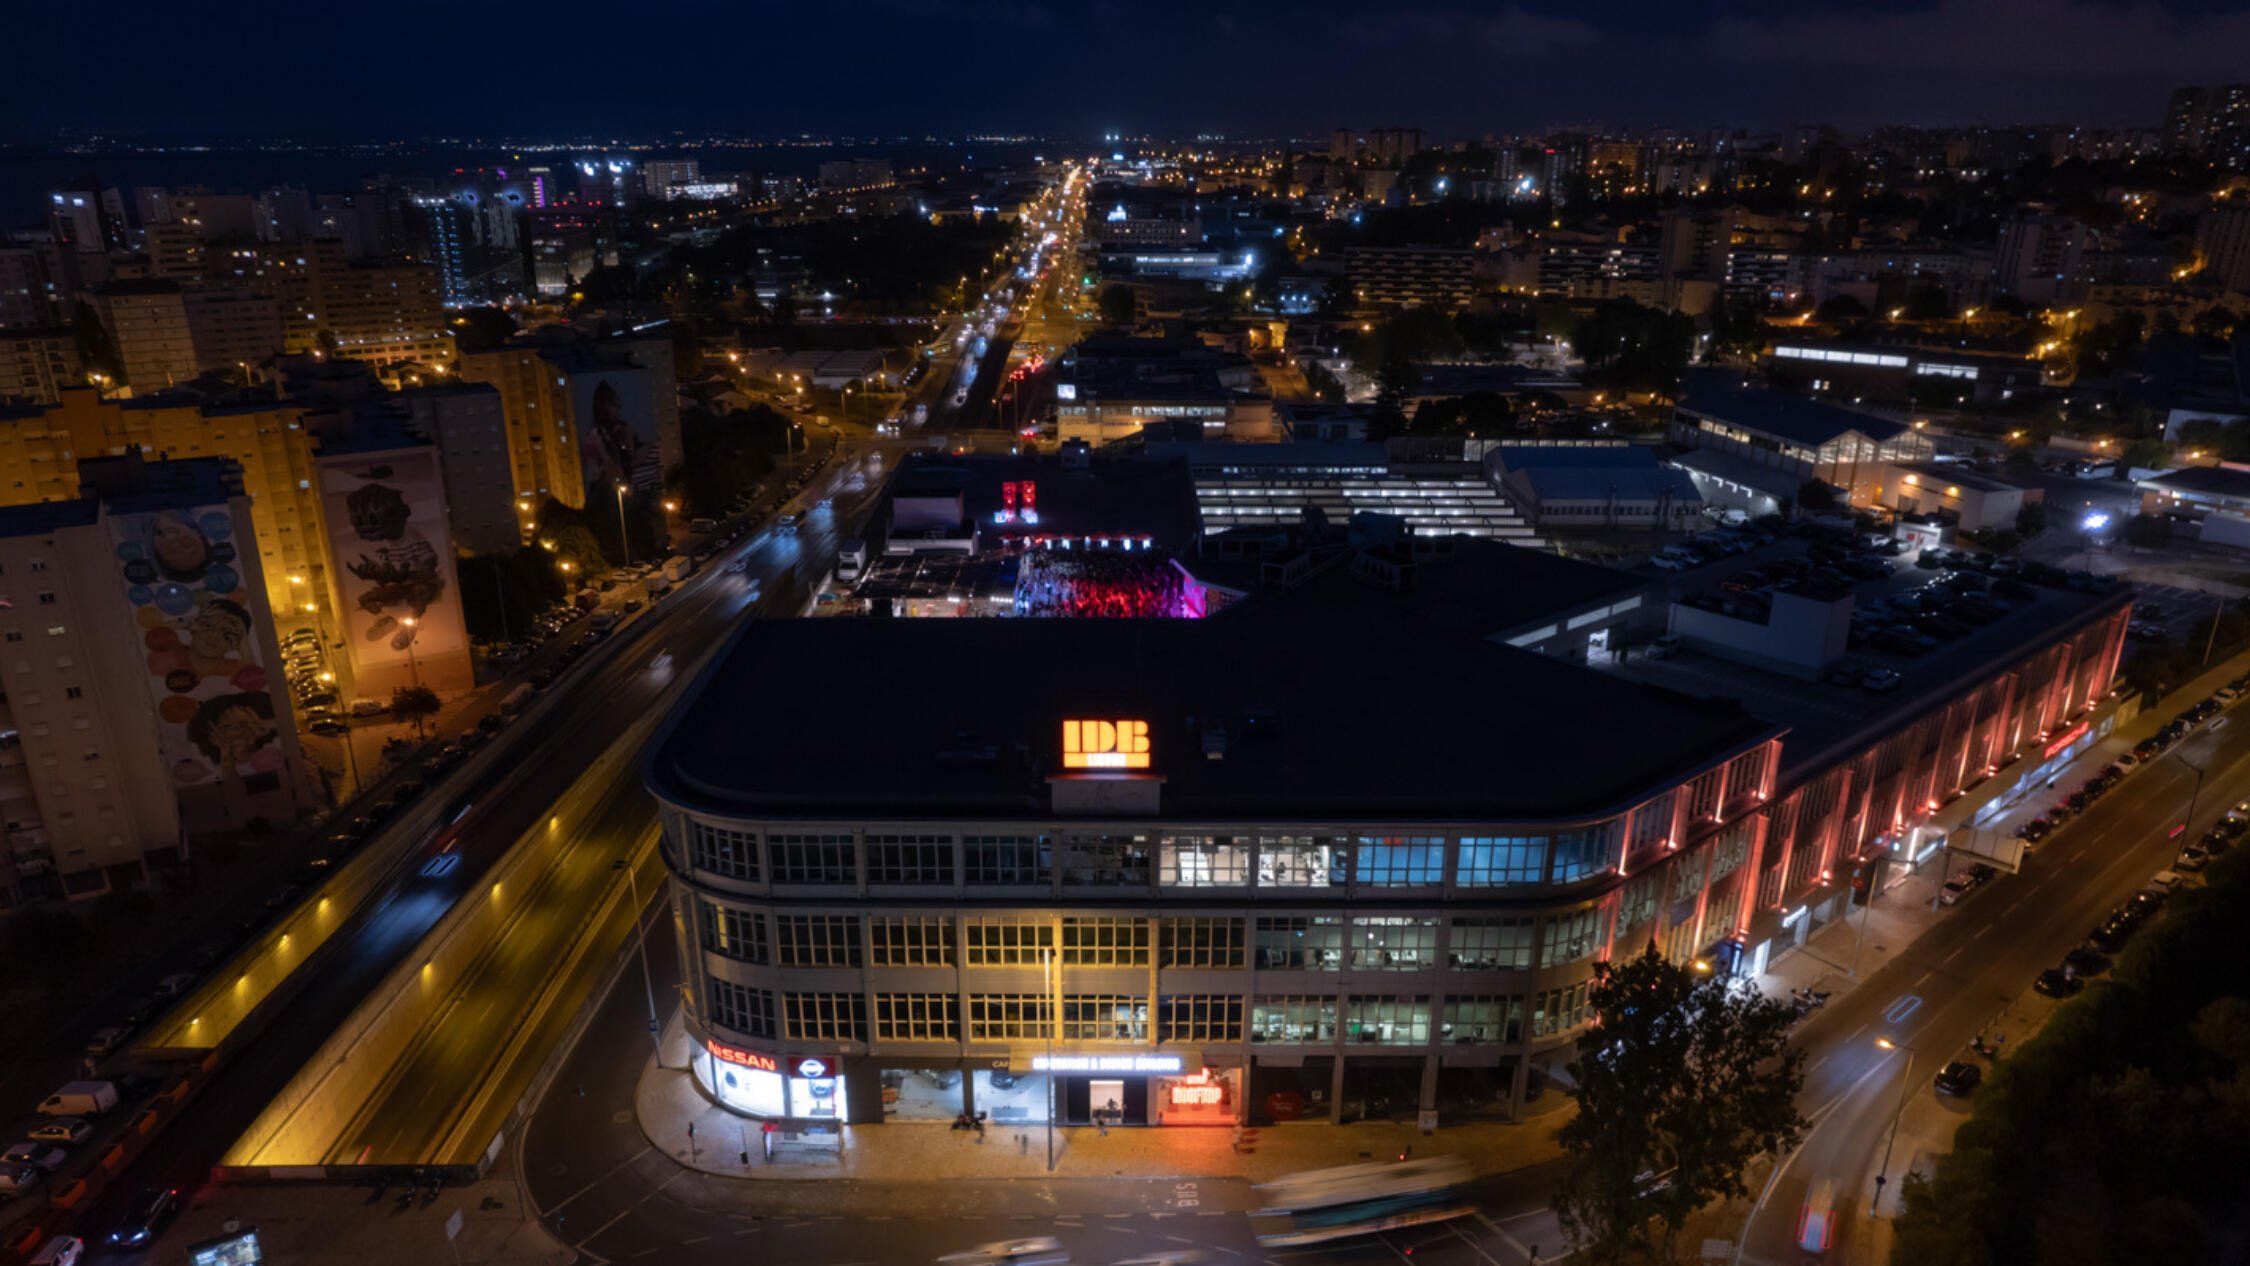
<point x="812" y="1068"/>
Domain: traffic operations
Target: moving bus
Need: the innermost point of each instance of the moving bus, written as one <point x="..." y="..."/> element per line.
<point x="1334" y="1204"/>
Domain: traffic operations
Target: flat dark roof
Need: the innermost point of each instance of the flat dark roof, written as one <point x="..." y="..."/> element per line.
<point x="1105" y="497"/>
<point x="1340" y="701"/>
<point x="2209" y="481"/>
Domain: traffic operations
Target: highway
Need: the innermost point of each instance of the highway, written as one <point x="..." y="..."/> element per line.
<point x="1962" y="974"/>
<point x="616" y="690"/>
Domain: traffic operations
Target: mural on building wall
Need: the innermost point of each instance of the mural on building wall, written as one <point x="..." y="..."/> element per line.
<point x="394" y="559"/>
<point x="618" y="442"/>
<point x="206" y="676"/>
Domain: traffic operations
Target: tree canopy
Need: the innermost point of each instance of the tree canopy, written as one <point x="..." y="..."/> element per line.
<point x="1683" y="1079"/>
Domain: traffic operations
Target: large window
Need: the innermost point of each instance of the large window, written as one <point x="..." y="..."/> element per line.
<point x="1199" y="1018"/>
<point x="1008" y="1017"/>
<point x="1301" y="942"/>
<point x="1101" y="942"/>
<point x="1477" y="1020"/>
<point x="1571" y="937"/>
<point x="1104" y="1018"/>
<point x="1383" y="1020"/>
<point x="1297" y="1019"/>
<point x="1586" y="852"/>
<point x="736" y="934"/>
<point x="1020" y="860"/>
<point x="1494" y="861"/>
<point x="741" y="1008"/>
<point x="1006" y="942"/>
<point x="909" y="940"/>
<point x="1411" y="861"/>
<point x="1558" y="1010"/>
<point x="1393" y="943"/>
<point x="1300" y="861"/>
<point x="1106" y="860"/>
<point x="817" y="940"/>
<point x="827" y="1017"/>
<point x="910" y="859"/>
<point x="1202" y="943"/>
<point x="916" y="1017"/>
<point x="733" y="854"/>
<point x="1205" y="861"/>
<point x="812" y="859"/>
<point x="1499" y="944"/>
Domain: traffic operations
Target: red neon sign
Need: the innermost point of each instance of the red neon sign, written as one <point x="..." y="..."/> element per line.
<point x="747" y="1059"/>
<point x="2069" y="736"/>
<point x="1030" y="498"/>
<point x="1195" y="1096"/>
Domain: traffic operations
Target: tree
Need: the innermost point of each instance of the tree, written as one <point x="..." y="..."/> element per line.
<point x="2148" y="531"/>
<point x="1684" y="1076"/>
<point x="2031" y="520"/>
<point x="1116" y="304"/>
<point x="1818" y="496"/>
<point x="1483" y="413"/>
<point x="417" y="704"/>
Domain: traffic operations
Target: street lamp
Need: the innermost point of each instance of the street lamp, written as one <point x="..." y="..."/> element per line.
<point x="1906" y="1076"/>
<point x="411" y="665"/>
<point x="624" y="540"/>
<point x="640" y="942"/>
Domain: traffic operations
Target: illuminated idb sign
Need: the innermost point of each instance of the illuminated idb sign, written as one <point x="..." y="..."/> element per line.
<point x="1106" y="1063"/>
<point x="1105" y="745"/>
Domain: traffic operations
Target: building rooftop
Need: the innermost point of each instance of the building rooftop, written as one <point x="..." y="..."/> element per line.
<point x="1958" y="475"/>
<point x="1101" y="498"/>
<point x="129" y="484"/>
<point x="1810" y="423"/>
<point x="1337" y="702"/>
<point x="2206" y="481"/>
<point x="1593" y="472"/>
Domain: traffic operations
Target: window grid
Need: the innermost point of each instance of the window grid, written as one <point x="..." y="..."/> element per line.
<point x="1411" y="861"/>
<point x="1199" y="1018"/>
<point x="1105" y="942"/>
<point x="1204" y="861"/>
<point x="1496" y="861"/>
<point x="1008" y="1017"/>
<point x="910" y="859"/>
<point x="1502" y="944"/>
<point x="1019" y="860"/>
<point x="1393" y="943"/>
<point x="742" y="1009"/>
<point x="1300" y="942"/>
<point x="910" y="941"/>
<point x="1203" y="943"/>
<point x="916" y="1017"/>
<point x="817" y="940"/>
<point x="1483" y="1020"/>
<point x="733" y="854"/>
<point x="812" y="859"/>
<point x="1104" y="1018"/>
<point x="1293" y="1019"/>
<point x="828" y="1017"/>
<point x="1571" y="937"/>
<point x="731" y="933"/>
<point x="1383" y="1020"/>
<point x="1006" y="942"/>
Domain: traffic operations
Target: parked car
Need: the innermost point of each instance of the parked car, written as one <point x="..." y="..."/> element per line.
<point x="61" y="1130"/>
<point x="18" y="1179"/>
<point x="2086" y="961"/>
<point x="106" y="1040"/>
<point x="79" y="1099"/>
<point x="2057" y="983"/>
<point x="62" y="1250"/>
<point x="1959" y="1078"/>
<point x="1881" y="681"/>
<point x="1664" y="647"/>
<point x="146" y="1216"/>
<point x="1955" y="888"/>
<point x="45" y="1157"/>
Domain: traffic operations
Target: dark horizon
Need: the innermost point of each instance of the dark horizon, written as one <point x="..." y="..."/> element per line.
<point x="888" y="68"/>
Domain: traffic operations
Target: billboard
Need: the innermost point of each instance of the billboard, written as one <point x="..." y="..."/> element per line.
<point x="617" y="444"/>
<point x="401" y="607"/>
<point x="195" y="615"/>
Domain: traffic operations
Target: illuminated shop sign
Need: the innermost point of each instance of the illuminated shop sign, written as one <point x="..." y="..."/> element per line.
<point x="746" y="1059"/>
<point x="813" y="1066"/>
<point x="1105" y="745"/>
<point x="1106" y="1063"/>
<point x="2065" y="739"/>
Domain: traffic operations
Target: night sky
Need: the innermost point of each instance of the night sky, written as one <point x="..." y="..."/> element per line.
<point x="1168" y="67"/>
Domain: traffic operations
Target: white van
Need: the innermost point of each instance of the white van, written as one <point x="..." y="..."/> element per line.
<point x="369" y="707"/>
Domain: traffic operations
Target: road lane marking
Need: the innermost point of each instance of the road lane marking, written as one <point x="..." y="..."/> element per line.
<point x="1812" y="1124"/>
<point x="603" y="1227"/>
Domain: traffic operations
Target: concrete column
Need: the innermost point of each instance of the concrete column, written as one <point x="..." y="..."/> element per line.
<point x="1518" y="1087"/>
<point x="1429" y="1083"/>
<point x="1336" y="1092"/>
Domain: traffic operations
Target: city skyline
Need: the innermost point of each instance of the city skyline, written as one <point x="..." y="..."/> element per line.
<point x="915" y="67"/>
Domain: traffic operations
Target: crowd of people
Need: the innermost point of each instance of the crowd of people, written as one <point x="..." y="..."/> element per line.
<point x="1100" y="585"/>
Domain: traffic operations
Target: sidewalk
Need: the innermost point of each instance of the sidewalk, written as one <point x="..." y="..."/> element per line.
<point x="1839" y="955"/>
<point x="667" y="1102"/>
